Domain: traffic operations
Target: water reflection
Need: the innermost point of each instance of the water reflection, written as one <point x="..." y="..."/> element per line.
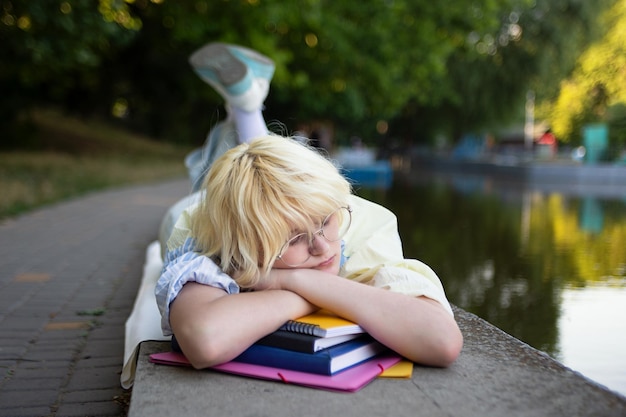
<point x="530" y="261"/>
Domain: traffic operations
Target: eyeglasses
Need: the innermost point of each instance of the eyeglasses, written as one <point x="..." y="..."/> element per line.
<point x="297" y="250"/>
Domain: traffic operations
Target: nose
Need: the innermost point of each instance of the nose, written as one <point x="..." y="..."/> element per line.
<point x="319" y="244"/>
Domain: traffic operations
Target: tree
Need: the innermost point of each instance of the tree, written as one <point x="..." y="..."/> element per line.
<point x="596" y="91"/>
<point x="533" y="46"/>
<point x="416" y="64"/>
<point x="349" y="64"/>
<point x="50" y="49"/>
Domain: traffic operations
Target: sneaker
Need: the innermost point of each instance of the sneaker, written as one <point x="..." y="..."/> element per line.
<point x="260" y="65"/>
<point x="239" y="74"/>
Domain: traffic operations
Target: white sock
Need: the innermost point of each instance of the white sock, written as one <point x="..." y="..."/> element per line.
<point x="249" y="124"/>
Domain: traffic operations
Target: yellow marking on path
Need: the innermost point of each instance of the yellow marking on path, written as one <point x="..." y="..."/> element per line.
<point x="32" y="277"/>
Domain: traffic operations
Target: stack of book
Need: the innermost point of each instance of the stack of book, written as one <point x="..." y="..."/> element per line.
<point x="320" y="350"/>
<point x="320" y="343"/>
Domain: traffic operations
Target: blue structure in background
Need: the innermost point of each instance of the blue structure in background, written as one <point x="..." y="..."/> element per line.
<point x="469" y="147"/>
<point x="378" y="174"/>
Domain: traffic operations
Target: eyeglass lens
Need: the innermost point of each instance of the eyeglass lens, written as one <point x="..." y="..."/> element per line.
<point x="296" y="251"/>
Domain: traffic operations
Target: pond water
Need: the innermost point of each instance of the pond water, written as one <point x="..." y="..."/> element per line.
<point x="546" y="266"/>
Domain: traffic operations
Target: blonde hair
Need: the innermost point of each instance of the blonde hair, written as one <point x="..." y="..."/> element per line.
<point x="256" y="195"/>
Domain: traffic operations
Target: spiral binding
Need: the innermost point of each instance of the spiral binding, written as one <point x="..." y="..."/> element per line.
<point x="299" y="327"/>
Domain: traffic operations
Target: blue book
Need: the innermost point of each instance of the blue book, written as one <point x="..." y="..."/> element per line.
<point x="303" y="342"/>
<point x="324" y="362"/>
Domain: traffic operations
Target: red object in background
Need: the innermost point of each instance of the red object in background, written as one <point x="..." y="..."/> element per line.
<point x="547" y="138"/>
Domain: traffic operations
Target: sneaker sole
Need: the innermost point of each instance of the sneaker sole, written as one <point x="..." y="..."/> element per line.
<point x="216" y="63"/>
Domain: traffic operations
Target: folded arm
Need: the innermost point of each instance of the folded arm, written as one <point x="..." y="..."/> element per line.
<point x="213" y="327"/>
<point x="214" y="322"/>
<point x="418" y="328"/>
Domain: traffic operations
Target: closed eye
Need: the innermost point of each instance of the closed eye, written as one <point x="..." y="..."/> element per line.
<point x="297" y="239"/>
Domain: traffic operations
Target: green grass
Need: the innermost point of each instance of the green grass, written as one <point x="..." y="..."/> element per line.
<point x="77" y="157"/>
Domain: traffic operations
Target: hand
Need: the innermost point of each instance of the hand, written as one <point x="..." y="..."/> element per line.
<point x="274" y="280"/>
<point x="277" y="280"/>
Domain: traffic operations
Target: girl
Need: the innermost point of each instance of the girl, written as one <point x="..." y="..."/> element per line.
<point x="276" y="235"/>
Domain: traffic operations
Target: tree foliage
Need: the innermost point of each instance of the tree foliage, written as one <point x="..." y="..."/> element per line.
<point x="416" y="64"/>
<point x="596" y="90"/>
<point x="49" y="49"/>
<point x="346" y="64"/>
<point x="532" y="47"/>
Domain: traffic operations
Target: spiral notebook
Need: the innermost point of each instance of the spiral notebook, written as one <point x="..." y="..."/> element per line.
<point x="350" y="380"/>
<point x="322" y="323"/>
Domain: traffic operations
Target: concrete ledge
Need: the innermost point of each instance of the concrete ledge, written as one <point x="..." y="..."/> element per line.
<point x="496" y="375"/>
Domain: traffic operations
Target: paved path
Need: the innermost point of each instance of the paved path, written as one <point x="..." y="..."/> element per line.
<point x="69" y="274"/>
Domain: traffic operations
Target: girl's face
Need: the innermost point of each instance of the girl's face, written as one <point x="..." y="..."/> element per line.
<point x="318" y="249"/>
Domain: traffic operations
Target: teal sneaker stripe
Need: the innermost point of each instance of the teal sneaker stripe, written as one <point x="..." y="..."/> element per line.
<point x="240" y="87"/>
<point x="258" y="68"/>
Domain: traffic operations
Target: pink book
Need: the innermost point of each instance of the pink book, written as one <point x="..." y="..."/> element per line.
<point x="350" y="380"/>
